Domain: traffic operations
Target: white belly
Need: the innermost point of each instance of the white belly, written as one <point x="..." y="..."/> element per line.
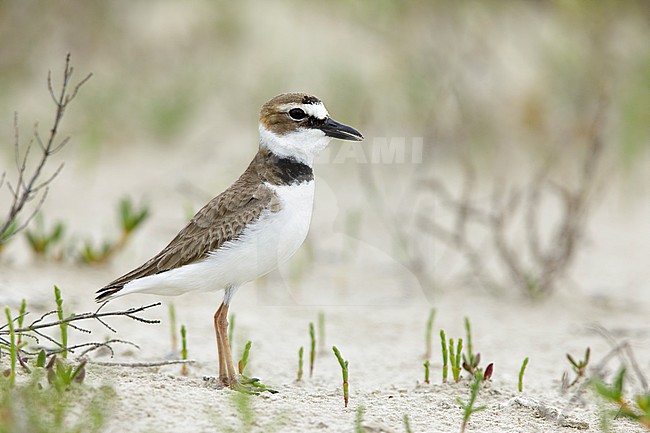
<point x="260" y="248"/>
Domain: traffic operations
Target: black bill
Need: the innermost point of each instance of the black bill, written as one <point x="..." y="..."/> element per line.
<point x="334" y="129"/>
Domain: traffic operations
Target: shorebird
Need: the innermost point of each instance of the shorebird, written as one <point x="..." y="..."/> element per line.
<point x="252" y="227"/>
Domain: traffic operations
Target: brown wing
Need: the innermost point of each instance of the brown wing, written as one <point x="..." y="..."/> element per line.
<point x="221" y="220"/>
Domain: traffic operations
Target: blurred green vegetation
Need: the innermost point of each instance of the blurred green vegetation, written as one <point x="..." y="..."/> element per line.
<point x="487" y="75"/>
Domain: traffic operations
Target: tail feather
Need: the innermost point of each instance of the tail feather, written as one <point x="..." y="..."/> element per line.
<point x="107" y="293"/>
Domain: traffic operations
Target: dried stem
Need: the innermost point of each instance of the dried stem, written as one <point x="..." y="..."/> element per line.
<point x="143" y="364"/>
<point x="28" y="187"/>
<point x="537" y="272"/>
<point x="34" y="330"/>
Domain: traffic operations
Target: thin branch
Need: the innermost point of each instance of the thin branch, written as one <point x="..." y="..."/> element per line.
<point x="39" y="324"/>
<point x="28" y="187"/>
<point x="143" y="364"/>
<point x="107" y="345"/>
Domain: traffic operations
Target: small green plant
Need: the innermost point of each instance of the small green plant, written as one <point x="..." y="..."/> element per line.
<point x="474" y="367"/>
<point x="312" y="349"/>
<point x="172" y="328"/>
<point x="42" y="242"/>
<point x="455" y="358"/>
<point x="300" y="352"/>
<point x="471" y="360"/>
<point x="249" y="420"/>
<point x="41" y="359"/>
<point x="426" y="372"/>
<point x="520" y="385"/>
<point x="32" y="407"/>
<point x="243" y="362"/>
<point x="231" y="329"/>
<point x="445" y="365"/>
<point x="358" y="420"/>
<point x="579" y="367"/>
<point x="93" y="255"/>
<point x="61" y="375"/>
<point x="63" y="325"/>
<point x="407" y="424"/>
<point x="638" y="411"/>
<point x="20" y="320"/>
<point x="468" y="408"/>
<point x="184" y="349"/>
<point x="12" y="347"/>
<point x="470" y="353"/>
<point x="428" y="333"/>
<point x="344" y="370"/>
<point x="129" y="219"/>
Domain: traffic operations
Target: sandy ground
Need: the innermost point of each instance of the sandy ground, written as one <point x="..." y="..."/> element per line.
<point x="375" y="312"/>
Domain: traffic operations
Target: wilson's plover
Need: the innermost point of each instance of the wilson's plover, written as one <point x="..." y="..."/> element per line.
<point x="253" y="226"/>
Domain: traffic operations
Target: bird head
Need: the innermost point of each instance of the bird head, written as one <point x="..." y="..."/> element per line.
<point x="298" y="126"/>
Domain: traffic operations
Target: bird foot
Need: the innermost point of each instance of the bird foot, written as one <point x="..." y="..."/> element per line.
<point x="252" y="385"/>
<point x="219" y="382"/>
<point x="247" y="385"/>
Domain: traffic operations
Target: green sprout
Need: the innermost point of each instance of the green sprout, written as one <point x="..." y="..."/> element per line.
<point x="21" y="319"/>
<point x="468" y="408"/>
<point x="471" y="361"/>
<point x="426" y="372"/>
<point x="344" y="370"/>
<point x="407" y="424"/>
<point x="312" y="351"/>
<point x="62" y="375"/>
<point x="172" y="328"/>
<point x="130" y="218"/>
<point x="300" y="352"/>
<point x="63" y="325"/>
<point x="520" y="385"/>
<point x="638" y="411"/>
<point x="42" y="241"/>
<point x="90" y="254"/>
<point x="470" y="354"/>
<point x="358" y="420"/>
<point x="184" y="350"/>
<point x="428" y="333"/>
<point x="445" y="366"/>
<point x="243" y="362"/>
<point x="41" y="358"/>
<point x="12" y="347"/>
<point x="579" y="367"/>
<point x="455" y="358"/>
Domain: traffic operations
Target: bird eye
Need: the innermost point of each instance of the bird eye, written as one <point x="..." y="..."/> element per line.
<point x="297" y="114"/>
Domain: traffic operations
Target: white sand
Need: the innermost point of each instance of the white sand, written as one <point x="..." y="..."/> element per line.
<point x="375" y="313"/>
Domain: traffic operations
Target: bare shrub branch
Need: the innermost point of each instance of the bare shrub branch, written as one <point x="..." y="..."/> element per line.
<point x="30" y="185"/>
<point x="532" y="264"/>
<point x="35" y="329"/>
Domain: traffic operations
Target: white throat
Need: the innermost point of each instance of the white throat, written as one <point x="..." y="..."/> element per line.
<point x="302" y="145"/>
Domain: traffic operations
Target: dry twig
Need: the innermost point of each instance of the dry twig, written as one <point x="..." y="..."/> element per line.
<point x="538" y="268"/>
<point x="34" y="330"/>
<point x="31" y="186"/>
<point x="143" y="364"/>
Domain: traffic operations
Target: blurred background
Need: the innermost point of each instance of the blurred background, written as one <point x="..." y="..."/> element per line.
<point x="169" y="118"/>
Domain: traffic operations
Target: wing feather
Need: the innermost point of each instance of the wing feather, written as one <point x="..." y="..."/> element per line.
<point x="219" y="221"/>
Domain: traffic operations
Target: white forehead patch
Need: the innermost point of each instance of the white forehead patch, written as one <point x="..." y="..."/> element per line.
<point x="316" y="110"/>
